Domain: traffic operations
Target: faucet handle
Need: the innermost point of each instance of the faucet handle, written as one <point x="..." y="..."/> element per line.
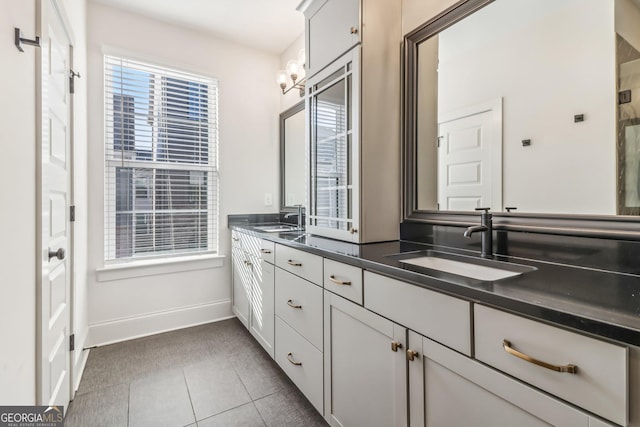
<point x="486" y="210"/>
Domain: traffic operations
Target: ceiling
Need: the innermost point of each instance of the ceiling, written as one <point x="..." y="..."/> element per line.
<point x="270" y="25"/>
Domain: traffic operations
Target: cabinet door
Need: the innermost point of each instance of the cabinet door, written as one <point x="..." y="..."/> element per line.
<point x="241" y="289"/>
<point x="331" y="30"/>
<point x="334" y="166"/>
<point x="262" y="305"/>
<point x="365" y="379"/>
<point x="449" y="389"/>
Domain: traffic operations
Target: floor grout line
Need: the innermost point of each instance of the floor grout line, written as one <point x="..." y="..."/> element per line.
<point x="186" y="384"/>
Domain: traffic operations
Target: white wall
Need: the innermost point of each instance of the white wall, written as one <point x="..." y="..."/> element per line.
<point x="18" y="219"/>
<point x="249" y="104"/>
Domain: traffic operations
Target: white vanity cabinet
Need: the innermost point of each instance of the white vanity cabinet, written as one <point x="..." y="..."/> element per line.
<point x="253" y="279"/>
<point x="365" y="366"/>
<point x="448" y="389"/>
<point x="367" y="349"/>
<point x="353" y="105"/>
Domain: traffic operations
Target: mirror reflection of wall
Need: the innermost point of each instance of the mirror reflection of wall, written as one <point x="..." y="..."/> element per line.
<point x="499" y="96"/>
<point x="292" y="128"/>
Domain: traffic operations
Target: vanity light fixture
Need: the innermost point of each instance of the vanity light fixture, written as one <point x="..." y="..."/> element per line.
<point x="294" y="73"/>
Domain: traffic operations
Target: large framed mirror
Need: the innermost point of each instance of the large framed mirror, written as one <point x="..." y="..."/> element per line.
<point x="529" y="107"/>
<point x="292" y="158"/>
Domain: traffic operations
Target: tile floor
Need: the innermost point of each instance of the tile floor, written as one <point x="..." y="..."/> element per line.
<point x="205" y="376"/>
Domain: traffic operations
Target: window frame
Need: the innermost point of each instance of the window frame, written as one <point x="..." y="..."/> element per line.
<point x="160" y="91"/>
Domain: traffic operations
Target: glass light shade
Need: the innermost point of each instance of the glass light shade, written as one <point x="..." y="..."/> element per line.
<point x="293" y="69"/>
<point x="282" y="78"/>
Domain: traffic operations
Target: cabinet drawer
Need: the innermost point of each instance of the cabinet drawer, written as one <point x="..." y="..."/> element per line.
<point x="300" y="263"/>
<point x="599" y="384"/>
<point x="344" y="280"/>
<point x="299" y="303"/>
<point x="301" y="361"/>
<point x="267" y="251"/>
<point x="440" y="317"/>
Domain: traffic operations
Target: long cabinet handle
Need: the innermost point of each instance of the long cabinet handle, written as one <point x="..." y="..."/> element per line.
<point x="294" y="263"/>
<point x="571" y="369"/>
<point x="339" y="282"/>
<point x="293" y="362"/>
<point x="292" y="305"/>
<point x="265" y="251"/>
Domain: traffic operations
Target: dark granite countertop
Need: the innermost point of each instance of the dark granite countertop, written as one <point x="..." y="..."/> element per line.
<point x="594" y="301"/>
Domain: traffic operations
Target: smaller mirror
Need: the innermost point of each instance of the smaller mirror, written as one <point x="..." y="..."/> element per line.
<point x="292" y="157"/>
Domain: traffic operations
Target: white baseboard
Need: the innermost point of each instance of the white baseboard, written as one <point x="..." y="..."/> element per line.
<point x="153" y="323"/>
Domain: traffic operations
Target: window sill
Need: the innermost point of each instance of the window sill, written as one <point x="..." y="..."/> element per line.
<point x="155" y="267"/>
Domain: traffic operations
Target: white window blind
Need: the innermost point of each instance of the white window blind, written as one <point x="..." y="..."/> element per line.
<point x="161" y="174"/>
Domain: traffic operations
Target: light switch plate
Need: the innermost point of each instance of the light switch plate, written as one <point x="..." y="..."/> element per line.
<point x="268" y="199"/>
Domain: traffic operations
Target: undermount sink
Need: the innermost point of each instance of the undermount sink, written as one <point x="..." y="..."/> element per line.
<point x="276" y="228"/>
<point x="461" y="265"/>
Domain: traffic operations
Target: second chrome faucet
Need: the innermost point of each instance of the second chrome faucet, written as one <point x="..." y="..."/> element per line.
<point x="486" y="228"/>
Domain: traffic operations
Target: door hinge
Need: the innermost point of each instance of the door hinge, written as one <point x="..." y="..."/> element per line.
<point x="72" y="213"/>
<point x="72" y="76"/>
<point x="72" y="342"/>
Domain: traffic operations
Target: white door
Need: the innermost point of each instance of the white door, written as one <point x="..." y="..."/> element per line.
<point x="54" y="293"/>
<point x="470" y="159"/>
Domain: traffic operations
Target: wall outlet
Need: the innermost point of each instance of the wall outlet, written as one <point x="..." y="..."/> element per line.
<point x="268" y="199"/>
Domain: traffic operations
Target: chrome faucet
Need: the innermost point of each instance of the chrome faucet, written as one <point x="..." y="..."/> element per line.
<point x="486" y="229"/>
<point x="299" y="214"/>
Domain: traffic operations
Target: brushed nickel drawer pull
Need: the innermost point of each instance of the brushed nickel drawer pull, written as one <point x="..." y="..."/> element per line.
<point x="265" y="251"/>
<point x="292" y="305"/>
<point x="339" y="282"/>
<point x="294" y="263"/>
<point x="395" y="345"/>
<point x="290" y="359"/>
<point x="571" y="369"/>
<point x="412" y="354"/>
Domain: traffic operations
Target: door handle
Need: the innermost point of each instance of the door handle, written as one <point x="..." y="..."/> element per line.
<point x="56" y="254"/>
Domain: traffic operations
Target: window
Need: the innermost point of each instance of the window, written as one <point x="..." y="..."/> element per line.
<point x="161" y="178"/>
